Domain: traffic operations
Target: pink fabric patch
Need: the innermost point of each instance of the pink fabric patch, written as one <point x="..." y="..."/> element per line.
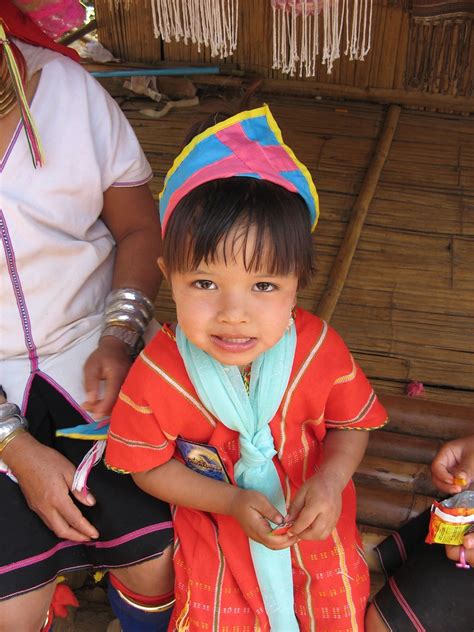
<point x="225" y="168"/>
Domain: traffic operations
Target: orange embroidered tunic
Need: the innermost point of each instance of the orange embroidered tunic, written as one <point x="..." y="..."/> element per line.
<point x="216" y="587"/>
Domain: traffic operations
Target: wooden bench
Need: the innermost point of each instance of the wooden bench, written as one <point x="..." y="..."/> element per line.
<point x="393" y="481"/>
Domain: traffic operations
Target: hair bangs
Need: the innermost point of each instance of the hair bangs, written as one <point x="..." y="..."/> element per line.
<point x="241" y="216"/>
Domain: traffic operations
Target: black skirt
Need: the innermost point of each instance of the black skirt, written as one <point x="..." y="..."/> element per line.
<point x="132" y="525"/>
<point x="424" y="590"/>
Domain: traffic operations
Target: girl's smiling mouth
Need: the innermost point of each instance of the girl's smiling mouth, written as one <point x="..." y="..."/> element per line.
<point x="234" y="343"/>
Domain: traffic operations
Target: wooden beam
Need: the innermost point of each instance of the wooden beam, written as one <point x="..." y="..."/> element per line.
<point x="418" y="416"/>
<point x="342" y="264"/>
<point x="388" y="509"/>
<point x="408" y="98"/>
<point x="83" y="30"/>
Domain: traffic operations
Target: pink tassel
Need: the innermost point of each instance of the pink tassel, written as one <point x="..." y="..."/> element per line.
<point x="415" y="389"/>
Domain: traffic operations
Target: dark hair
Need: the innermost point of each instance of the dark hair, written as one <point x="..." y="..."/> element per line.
<point x="207" y="215"/>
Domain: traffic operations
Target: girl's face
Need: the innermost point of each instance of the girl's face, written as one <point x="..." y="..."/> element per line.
<point x="231" y="313"/>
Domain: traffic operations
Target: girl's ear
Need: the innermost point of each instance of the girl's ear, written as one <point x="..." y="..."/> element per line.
<point x="161" y="264"/>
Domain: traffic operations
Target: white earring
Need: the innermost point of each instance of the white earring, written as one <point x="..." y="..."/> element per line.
<point x="291" y="320"/>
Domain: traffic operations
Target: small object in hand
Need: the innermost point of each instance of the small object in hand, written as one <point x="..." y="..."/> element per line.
<point x="460" y="481"/>
<point x="462" y="560"/>
<point x="282" y="528"/>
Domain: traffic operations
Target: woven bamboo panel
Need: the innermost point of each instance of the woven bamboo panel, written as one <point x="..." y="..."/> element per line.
<point x="128" y="32"/>
<point x="407" y="308"/>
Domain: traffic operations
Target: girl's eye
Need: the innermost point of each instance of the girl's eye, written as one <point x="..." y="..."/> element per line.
<point x="205" y="285"/>
<point x="264" y="286"/>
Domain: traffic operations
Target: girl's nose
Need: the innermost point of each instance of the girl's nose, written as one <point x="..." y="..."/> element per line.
<point x="232" y="310"/>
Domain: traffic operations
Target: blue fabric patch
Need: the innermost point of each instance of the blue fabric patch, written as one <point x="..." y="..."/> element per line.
<point x="207" y="152"/>
<point x="297" y="178"/>
<point x="257" y="130"/>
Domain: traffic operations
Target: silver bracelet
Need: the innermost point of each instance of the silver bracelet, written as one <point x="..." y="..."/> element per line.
<point x="127" y="314"/>
<point x="11" y="420"/>
<point x="129" y="308"/>
<point x="129" y="337"/>
<point x="7" y="410"/>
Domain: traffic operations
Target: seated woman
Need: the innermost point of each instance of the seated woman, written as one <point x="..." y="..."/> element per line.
<point x="425" y="589"/>
<point x="77" y="223"/>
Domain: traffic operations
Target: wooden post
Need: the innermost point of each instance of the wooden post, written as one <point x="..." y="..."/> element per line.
<point x="341" y="266"/>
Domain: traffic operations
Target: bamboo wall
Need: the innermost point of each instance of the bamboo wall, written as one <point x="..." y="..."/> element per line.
<point x="407" y="308"/>
<point x="128" y="32"/>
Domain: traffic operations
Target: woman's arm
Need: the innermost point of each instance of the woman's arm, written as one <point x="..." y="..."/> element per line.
<point x="131" y="216"/>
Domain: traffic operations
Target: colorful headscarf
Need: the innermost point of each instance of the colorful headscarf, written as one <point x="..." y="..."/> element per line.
<point x="54" y="17"/>
<point x="249" y="144"/>
<point x="22" y="25"/>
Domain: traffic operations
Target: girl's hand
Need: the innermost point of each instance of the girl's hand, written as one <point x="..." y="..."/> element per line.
<point x="453" y="552"/>
<point x="109" y="363"/>
<point x="315" y="509"/>
<point x="453" y="467"/>
<point x="253" y="510"/>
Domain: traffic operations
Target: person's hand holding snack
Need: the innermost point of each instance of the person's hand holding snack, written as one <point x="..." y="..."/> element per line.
<point x="452" y="469"/>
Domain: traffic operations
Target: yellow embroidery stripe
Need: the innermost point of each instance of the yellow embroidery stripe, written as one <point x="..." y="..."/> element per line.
<point x="350" y="376"/>
<point x="359" y="428"/>
<point x="307" y="589"/>
<point x="146" y="410"/>
<point x="116" y="469"/>
<point x="360" y="415"/>
<point x="182" y="620"/>
<point x="345" y="580"/>
<point x="154" y="367"/>
<point x="219" y="583"/>
<point x="137" y="444"/>
<point x="296" y="381"/>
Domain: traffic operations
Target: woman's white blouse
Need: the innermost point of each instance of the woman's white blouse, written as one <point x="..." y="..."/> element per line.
<point x="56" y="255"/>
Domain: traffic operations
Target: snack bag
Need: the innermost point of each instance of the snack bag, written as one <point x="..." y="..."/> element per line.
<point x="451" y="519"/>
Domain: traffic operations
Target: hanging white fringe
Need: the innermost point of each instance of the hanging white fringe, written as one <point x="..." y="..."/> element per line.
<point x="91" y="458"/>
<point x="296" y="33"/>
<point x="212" y="23"/>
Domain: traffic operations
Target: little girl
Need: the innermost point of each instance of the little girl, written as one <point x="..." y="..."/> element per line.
<point x="239" y="415"/>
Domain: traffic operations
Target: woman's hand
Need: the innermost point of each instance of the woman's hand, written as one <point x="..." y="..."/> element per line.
<point x="45" y="477"/>
<point x="109" y="363"/>
<point x="253" y="511"/>
<point x="316" y="508"/>
<point x="453" y="467"/>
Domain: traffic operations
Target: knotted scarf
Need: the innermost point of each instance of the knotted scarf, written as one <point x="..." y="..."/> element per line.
<point x="222" y="391"/>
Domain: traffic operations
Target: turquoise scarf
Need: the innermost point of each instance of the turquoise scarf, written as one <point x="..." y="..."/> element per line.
<point x="222" y="391"/>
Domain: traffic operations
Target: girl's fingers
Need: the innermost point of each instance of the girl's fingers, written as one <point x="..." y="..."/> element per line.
<point x="305" y="519"/>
